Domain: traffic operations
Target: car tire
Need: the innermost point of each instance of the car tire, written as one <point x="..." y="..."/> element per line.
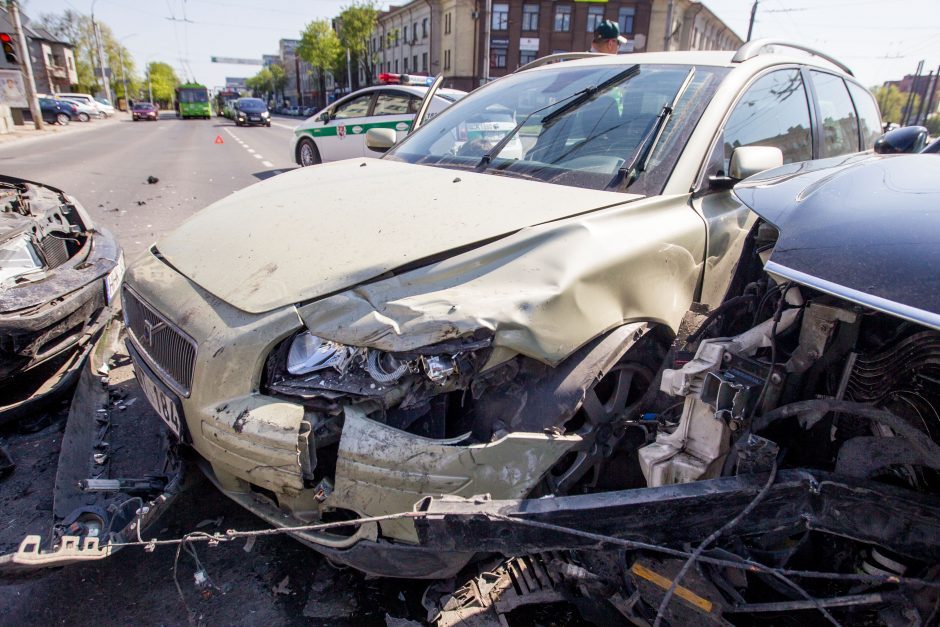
<point x="62" y="118"/>
<point x="307" y="153"/>
<point x="83" y="117"/>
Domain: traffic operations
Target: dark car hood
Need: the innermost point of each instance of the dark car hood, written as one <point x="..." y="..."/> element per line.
<point x="864" y="228"/>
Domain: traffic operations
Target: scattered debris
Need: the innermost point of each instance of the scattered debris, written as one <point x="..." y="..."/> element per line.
<point x="283" y="588"/>
<point x="215" y="522"/>
<point x="249" y="544"/>
<point x="338" y="604"/>
<point x="140" y="203"/>
<point x="152" y="180"/>
<point x="394" y="621"/>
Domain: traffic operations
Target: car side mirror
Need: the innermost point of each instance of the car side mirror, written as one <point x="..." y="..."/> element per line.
<point x="325" y="116"/>
<point x="747" y="161"/>
<point x="909" y="139"/>
<point x="380" y="139"/>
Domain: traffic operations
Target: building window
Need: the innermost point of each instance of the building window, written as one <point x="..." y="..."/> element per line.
<point x="424" y="28"/>
<point x="500" y="17"/>
<point x="530" y="17"/>
<point x="414" y="63"/>
<point x="396" y="66"/>
<point x="594" y="17"/>
<point x="405" y="63"/>
<point x="414" y="31"/>
<point x="527" y="56"/>
<point x="397" y="33"/>
<point x="447" y="23"/>
<point x="406" y="34"/>
<point x="447" y="59"/>
<point x="562" y="18"/>
<point x="497" y="57"/>
<point x="424" y="62"/>
<point x="625" y="19"/>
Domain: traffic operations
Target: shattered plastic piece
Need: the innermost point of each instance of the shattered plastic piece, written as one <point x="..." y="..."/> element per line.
<point x="394" y="621"/>
<point x="200" y="578"/>
<point x="215" y="522"/>
<point x="100" y="458"/>
<point x="282" y="587"/>
<point x="152" y="180"/>
<point x="249" y="544"/>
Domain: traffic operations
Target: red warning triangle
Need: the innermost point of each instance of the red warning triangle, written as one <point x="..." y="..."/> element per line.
<point x="218" y="139"/>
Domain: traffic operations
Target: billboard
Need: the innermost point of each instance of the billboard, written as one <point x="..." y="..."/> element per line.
<point x="12" y="91"/>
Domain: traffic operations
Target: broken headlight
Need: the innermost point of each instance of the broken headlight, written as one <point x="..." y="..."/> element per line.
<point x="18" y="257"/>
<point x="308" y="352"/>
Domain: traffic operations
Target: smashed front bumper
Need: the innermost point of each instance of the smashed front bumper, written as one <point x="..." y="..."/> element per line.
<point x="47" y="328"/>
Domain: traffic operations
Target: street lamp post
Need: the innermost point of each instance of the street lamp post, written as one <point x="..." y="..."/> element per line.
<point x="97" y="33"/>
<point x="123" y="69"/>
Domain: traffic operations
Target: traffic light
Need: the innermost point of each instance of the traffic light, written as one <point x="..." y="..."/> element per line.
<point x="9" y="50"/>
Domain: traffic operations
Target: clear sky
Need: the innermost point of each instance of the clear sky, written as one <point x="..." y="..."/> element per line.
<point x="879" y="39"/>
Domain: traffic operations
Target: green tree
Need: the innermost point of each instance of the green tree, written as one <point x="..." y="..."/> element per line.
<point x="892" y="102"/>
<point x="163" y="81"/>
<point x="278" y="78"/>
<point x="356" y="24"/>
<point x="76" y="29"/>
<point x="320" y="47"/>
<point x="261" y="83"/>
<point x="933" y="125"/>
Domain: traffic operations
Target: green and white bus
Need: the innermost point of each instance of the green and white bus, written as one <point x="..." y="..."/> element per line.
<point x="192" y="101"/>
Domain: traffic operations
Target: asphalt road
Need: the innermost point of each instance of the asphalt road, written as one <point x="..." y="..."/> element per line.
<point x="275" y="581"/>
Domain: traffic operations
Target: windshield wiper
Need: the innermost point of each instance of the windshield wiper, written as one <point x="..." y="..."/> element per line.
<point x="574" y="100"/>
<point x="630" y="171"/>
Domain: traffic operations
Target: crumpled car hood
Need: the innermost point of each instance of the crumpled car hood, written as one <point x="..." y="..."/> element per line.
<point x="320" y="230"/>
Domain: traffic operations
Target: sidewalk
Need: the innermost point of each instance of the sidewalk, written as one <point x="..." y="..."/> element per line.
<point x="28" y="132"/>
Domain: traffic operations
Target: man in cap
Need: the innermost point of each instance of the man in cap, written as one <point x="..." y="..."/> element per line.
<point x="607" y="38"/>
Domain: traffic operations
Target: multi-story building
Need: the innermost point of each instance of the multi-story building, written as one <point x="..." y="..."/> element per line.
<point x="53" y="61"/>
<point x="688" y="25"/>
<point x="406" y="40"/>
<point x="519" y="31"/>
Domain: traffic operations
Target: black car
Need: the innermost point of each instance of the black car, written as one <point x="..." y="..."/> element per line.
<point x="250" y="111"/>
<point x="59" y="275"/>
<point x="57" y="111"/>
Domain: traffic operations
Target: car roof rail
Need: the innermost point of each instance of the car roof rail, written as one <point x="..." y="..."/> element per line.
<point x="754" y="48"/>
<point x="558" y="56"/>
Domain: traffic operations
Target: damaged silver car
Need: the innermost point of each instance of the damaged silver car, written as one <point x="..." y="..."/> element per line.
<point x="59" y="277"/>
<point x="471" y="313"/>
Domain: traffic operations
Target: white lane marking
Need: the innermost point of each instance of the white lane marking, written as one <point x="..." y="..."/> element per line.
<point x="267" y="164"/>
<point x="290" y="128"/>
<point x="257" y="156"/>
<point x="250" y="150"/>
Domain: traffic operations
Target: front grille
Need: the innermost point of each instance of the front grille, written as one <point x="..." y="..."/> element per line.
<point x="54" y="250"/>
<point x="165" y="346"/>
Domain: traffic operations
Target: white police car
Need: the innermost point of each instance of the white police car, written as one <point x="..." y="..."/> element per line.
<point x="338" y="131"/>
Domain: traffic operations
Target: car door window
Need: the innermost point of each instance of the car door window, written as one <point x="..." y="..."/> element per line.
<point x="389" y="103"/>
<point x="774" y="111"/>
<point x="356" y="108"/>
<point x="868" y="116"/>
<point x="839" y="122"/>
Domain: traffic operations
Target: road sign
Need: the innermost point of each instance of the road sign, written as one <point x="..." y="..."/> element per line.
<point x="236" y="61"/>
<point x="219" y="140"/>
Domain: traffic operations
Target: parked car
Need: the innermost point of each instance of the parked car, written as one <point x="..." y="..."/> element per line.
<point x="145" y="111"/>
<point x="84" y="112"/>
<point x="309" y="111"/>
<point x="107" y="109"/>
<point x="59" y="277"/>
<point x="57" y="111"/>
<point x="339" y="131"/>
<point x="86" y="99"/>
<point x="450" y="320"/>
<point x="251" y="111"/>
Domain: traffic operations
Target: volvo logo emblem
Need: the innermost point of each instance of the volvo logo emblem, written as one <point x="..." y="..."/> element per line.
<point x="150" y="330"/>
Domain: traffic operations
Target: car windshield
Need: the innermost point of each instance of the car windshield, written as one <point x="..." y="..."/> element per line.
<point x="104" y="101"/>
<point x="252" y="105"/>
<point x="575" y="130"/>
<point x="143" y="106"/>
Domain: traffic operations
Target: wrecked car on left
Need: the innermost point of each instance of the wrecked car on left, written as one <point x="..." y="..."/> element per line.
<point x="59" y="276"/>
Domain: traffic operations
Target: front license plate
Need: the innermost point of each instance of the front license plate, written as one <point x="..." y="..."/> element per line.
<point x="113" y="281"/>
<point x="167" y="407"/>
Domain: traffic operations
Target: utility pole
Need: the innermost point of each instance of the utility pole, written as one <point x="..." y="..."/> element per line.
<point x="750" y="26"/>
<point x="149" y="86"/>
<point x="27" y="64"/>
<point x="667" y="35"/>
<point x="97" y="32"/>
<point x="487" y="21"/>
<point x="349" y="69"/>
<point x="906" y="115"/>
